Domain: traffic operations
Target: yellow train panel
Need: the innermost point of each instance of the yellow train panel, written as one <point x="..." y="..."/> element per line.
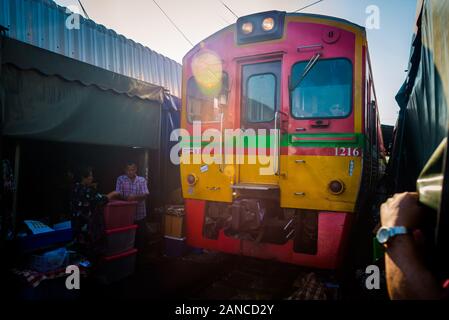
<point x="250" y="172"/>
<point x="212" y="184"/>
<point x="306" y="182"/>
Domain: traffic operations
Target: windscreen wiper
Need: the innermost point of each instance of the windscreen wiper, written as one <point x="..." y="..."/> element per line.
<point x="309" y="66"/>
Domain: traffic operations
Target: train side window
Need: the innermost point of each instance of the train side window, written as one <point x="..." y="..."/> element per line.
<point x="261" y="97"/>
<point x="325" y="91"/>
<point x="206" y="103"/>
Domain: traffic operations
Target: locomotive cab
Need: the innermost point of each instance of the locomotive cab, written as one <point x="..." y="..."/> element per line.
<point x="278" y="103"/>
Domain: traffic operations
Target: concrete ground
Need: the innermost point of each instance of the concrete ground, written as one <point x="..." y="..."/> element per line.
<point x="205" y="275"/>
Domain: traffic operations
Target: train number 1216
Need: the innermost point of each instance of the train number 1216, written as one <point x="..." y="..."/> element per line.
<point x="347" y="152"/>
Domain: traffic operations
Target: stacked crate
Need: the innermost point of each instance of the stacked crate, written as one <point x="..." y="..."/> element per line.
<point x="118" y="252"/>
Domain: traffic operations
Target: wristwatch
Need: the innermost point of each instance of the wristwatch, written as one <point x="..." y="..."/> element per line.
<point x="385" y="234"/>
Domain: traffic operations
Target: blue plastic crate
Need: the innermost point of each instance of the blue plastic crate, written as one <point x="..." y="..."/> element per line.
<point x="41" y="241"/>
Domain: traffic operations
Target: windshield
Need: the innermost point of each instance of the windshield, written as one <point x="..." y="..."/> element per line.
<point x="260" y="92"/>
<point x="325" y="92"/>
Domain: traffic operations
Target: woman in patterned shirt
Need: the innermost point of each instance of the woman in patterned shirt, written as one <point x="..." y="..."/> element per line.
<point x="86" y="211"/>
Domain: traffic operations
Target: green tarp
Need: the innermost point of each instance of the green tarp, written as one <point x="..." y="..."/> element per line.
<point x="420" y="154"/>
<point x="424" y="98"/>
<point x="51" y="97"/>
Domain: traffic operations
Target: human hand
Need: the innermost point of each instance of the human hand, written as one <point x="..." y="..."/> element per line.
<point x="402" y="210"/>
<point x="113" y="195"/>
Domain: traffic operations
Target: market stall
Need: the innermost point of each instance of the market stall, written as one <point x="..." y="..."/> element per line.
<point x="59" y="113"/>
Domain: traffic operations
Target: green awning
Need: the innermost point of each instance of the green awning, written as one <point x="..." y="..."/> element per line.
<point x="51" y="97"/>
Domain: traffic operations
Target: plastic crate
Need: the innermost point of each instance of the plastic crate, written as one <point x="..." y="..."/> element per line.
<point x="119" y="214"/>
<point x="44" y="240"/>
<point x="119" y="240"/>
<point x="50" y="260"/>
<point x="116" y="267"/>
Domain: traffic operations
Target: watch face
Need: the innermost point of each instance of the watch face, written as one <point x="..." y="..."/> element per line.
<point x="383" y="235"/>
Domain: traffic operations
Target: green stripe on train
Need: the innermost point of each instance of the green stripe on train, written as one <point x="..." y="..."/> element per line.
<point x="326" y="140"/>
<point x="318" y="140"/>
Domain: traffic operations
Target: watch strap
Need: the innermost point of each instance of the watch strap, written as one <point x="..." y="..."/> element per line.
<point x="395" y="231"/>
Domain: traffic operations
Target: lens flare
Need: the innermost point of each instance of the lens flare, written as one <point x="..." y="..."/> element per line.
<point x="207" y="69"/>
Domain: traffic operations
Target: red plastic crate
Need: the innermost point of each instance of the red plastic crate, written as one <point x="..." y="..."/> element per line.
<point x="119" y="240"/>
<point x="116" y="267"/>
<point x="119" y="214"/>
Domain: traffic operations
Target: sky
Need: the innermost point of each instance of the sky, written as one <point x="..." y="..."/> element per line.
<point x="142" y="21"/>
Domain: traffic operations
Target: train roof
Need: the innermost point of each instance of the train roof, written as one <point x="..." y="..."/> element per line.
<point x="291" y="14"/>
<point x="325" y="17"/>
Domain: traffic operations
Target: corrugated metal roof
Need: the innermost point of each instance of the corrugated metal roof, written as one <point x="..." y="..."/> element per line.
<point x="42" y="23"/>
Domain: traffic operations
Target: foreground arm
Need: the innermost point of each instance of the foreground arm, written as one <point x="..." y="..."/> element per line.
<point x="407" y="277"/>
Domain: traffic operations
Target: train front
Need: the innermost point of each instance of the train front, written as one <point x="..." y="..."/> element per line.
<point x="272" y="140"/>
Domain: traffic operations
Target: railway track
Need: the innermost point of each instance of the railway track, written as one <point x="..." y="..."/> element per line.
<point x="253" y="279"/>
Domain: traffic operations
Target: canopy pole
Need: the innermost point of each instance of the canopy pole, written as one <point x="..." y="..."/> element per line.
<point x="16" y="185"/>
<point x="161" y="181"/>
<point x="146" y="173"/>
<point x="146" y="160"/>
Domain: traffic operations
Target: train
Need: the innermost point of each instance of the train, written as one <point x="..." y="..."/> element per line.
<point x="281" y="140"/>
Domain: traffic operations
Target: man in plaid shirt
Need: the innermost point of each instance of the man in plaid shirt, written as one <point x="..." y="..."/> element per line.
<point x="134" y="188"/>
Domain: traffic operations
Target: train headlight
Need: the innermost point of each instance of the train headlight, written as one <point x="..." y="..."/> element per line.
<point x="247" y="27"/>
<point x="262" y="26"/>
<point x="336" y="187"/>
<point x="192" y="179"/>
<point x="268" y="24"/>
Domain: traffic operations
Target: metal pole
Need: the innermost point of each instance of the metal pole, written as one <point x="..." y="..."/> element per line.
<point x="16" y="185"/>
<point x="2" y="191"/>
<point x="160" y="157"/>
<point x="146" y="157"/>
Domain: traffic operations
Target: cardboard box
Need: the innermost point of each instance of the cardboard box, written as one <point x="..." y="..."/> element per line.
<point x="174" y="222"/>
